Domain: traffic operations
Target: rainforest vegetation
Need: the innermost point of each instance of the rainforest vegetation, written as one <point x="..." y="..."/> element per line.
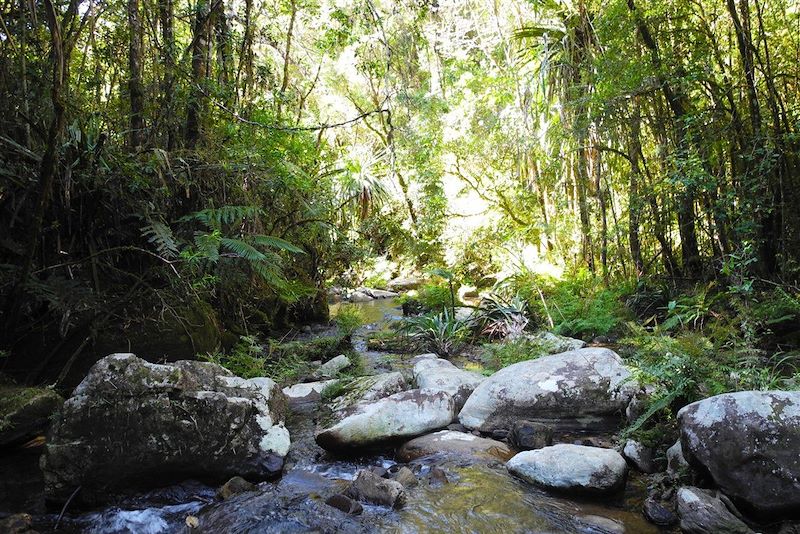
<point x="190" y="178"/>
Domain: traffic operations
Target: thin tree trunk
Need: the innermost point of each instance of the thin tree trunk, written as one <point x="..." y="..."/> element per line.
<point x="166" y="15"/>
<point x="135" y="89"/>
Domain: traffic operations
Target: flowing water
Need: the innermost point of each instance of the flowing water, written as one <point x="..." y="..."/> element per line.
<point x="480" y="497"/>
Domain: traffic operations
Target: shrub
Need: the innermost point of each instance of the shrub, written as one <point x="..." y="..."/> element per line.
<point x="440" y="333"/>
<point x="502" y="318"/>
<point x="495" y="356"/>
<point x="348" y="319"/>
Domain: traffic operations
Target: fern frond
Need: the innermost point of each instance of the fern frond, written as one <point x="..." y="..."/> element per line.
<point x="208" y="245"/>
<point x="215" y="218"/>
<point x="243" y="249"/>
<point x="276" y="242"/>
<point x="160" y="235"/>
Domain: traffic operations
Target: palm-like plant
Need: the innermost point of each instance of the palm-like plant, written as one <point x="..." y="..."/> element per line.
<point x="441" y="333"/>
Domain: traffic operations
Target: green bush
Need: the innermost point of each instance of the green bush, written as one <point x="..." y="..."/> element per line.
<point x="348" y="319"/>
<point x="578" y="306"/>
<point x="282" y="362"/>
<point x="496" y="356"/>
<point x="440" y="333"/>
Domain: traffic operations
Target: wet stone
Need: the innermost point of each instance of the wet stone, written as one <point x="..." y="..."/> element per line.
<point x="345" y="504"/>
<point x="234" y="486"/>
<point x="658" y="514"/>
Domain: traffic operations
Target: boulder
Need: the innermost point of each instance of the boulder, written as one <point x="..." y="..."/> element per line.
<point x="441" y="375"/>
<point x="702" y="512"/>
<point x="369" y="487"/>
<point x="333" y="367"/>
<point x="527" y="435"/>
<point x="402" y="415"/>
<point x="657" y="513"/>
<point x="571" y="468"/>
<point x="586" y="389"/>
<point x="359" y="296"/>
<point x="134" y="424"/>
<point x="447" y="442"/>
<point x="377" y="293"/>
<point x="555" y="343"/>
<point x="749" y="442"/>
<point x="306" y="391"/>
<point x="406" y="283"/>
<point x="641" y="456"/>
<point x="368" y="389"/>
<point x="25" y="412"/>
<point x="677" y="466"/>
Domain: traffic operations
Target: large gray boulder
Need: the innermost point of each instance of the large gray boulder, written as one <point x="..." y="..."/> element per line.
<point x="586" y="389"/>
<point x="441" y="375"/>
<point x="133" y="424"/>
<point x="450" y="443"/>
<point x="25" y="412"/>
<point x="307" y="391"/>
<point x="702" y="512"/>
<point x="367" y="389"/>
<point x="749" y="442"/>
<point x="572" y="468"/>
<point x="402" y="415"/>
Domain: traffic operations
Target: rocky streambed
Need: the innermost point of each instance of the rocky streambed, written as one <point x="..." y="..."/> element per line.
<point x="418" y="445"/>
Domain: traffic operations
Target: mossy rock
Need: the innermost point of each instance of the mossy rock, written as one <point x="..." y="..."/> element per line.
<point x="25" y="412"/>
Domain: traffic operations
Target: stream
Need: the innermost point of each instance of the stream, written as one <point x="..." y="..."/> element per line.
<point x="480" y="497"/>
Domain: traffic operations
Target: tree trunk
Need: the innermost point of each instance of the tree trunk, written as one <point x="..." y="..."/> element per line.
<point x="135" y="89"/>
<point x="200" y="48"/>
<point x="166" y="15"/>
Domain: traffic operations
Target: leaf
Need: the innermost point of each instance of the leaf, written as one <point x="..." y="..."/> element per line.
<point x="160" y="235"/>
<point x="276" y="242"/>
<point x="243" y="250"/>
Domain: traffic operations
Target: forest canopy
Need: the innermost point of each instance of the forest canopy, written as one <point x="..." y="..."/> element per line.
<point x="203" y="169"/>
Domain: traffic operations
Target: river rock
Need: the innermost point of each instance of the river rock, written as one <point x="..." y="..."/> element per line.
<point x="406" y="477"/>
<point x="333" y="366"/>
<point x="306" y="391"/>
<point x="345" y="504"/>
<point x="377" y="293"/>
<point x="527" y="435"/>
<point x="677" y="466"/>
<point x="702" y="512"/>
<point x="369" y="487"/>
<point x="359" y="296"/>
<point x="402" y="415"/>
<point x="657" y="513"/>
<point x="586" y="389"/>
<point x="447" y="442"/>
<point x="555" y="343"/>
<point x="25" y="412"/>
<point x="132" y="424"/>
<point x="749" y="442"/>
<point x="235" y="486"/>
<point x="641" y="456"/>
<point x="17" y="524"/>
<point x="441" y="375"/>
<point x="573" y="468"/>
<point x="277" y="510"/>
<point x="406" y="283"/>
<point x="368" y="389"/>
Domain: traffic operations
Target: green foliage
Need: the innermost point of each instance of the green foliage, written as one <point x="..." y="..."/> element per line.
<point x="246" y="359"/>
<point x="502" y="318"/>
<point x="496" y="356"/>
<point x="579" y="306"/>
<point x="441" y="333"/>
<point x="348" y="320"/>
<point x="689" y="366"/>
<point x="282" y="362"/>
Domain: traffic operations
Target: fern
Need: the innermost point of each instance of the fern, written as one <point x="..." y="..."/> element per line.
<point x="215" y="218"/>
<point x="276" y="242"/>
<point x="160" y="235"/>
<point x="243" y="249"/>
